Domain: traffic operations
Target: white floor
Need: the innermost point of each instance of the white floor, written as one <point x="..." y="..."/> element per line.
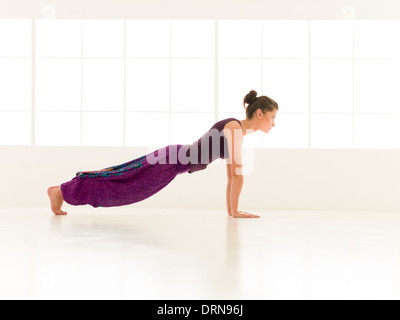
<point x="131" y="253"/>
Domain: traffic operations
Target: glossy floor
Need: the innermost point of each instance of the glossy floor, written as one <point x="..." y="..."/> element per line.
<point x="131" y="253"/>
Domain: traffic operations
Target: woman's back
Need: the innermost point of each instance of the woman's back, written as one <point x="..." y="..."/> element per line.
<point x="211" y="146"/>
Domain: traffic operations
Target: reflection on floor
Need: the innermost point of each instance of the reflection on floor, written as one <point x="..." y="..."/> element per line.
<point x="131" y="253"/>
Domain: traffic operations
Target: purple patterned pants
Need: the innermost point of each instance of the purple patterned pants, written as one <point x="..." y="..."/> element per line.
<point x="127" y="183"/>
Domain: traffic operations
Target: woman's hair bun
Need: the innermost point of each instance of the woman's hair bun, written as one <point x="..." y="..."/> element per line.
<point x="250" y="97"/>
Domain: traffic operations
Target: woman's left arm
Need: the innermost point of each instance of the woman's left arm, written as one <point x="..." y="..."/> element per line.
<point x="228" y="188"/>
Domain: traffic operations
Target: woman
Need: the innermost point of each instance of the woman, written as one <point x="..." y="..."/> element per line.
<point x="141" y="178"/>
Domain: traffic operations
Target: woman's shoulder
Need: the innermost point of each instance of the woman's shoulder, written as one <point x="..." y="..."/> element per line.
<point x="233" y="129"/>
<point x="233" y="123"/>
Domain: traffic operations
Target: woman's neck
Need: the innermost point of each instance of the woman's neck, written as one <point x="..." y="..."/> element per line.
<point x="248" y="126"/>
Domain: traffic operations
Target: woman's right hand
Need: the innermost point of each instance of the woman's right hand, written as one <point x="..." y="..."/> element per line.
<point x="242" y="214"/>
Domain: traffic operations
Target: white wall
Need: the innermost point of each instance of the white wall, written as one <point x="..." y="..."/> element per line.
<point x="200" y="9"/>
<point x="282" y="179"/>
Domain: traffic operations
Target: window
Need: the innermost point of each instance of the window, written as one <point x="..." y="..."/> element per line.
<point x="58" y="82"/>
<point x="157" y="82"/>
<point x="15" y="82"/>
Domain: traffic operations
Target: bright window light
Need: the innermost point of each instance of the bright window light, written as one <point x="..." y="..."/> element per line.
<point x="240" y="39"/>
<point x="58" y="84"/>
<point x="58" y="128"/>
<point x="193" y="85"/>
<point x="377" y="39"/>
<point x="103" y="85"/>
<point x="147" y="129"/>
<point x="332" y="39"/>
<point x="285" y="39"/>
<point x="332" y="86"/>
<point x="185" y="130"/>
<point x="148" y="39"/>
<point x="90" y="74"/>
<point x="15" y="84"/>
<point x="377" y="131"/>
<point x="377" y="84"/>
<point x="15" y="38"/>
<point x="236" y="115"/>
<point x="102" y="128"/>
<point x="15" y="128"/>
<point x="290" y="131"/>
<point x="194" y="38"/>
<point x="287" y="82"/>
<point x="236" y="78"/>
<point x="103" y="38"/>
<point x="148" y="84"/>
<point x="58" y="38"/>
<point x="332" y="131"/>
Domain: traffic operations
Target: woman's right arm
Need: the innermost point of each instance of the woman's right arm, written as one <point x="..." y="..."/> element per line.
<point x="236" y="188"/>
<point x="234" y="135"/>
<point x="228" y="189"/>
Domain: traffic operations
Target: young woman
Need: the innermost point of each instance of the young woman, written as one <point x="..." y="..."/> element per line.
<point x="143" y="177"/>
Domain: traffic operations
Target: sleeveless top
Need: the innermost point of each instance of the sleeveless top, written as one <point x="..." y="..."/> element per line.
<point x="211" y="146"/>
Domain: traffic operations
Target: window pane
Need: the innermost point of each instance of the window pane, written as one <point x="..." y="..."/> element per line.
<point x="188" y="128"/>
<point x="147" y="129"/>
<point x="15" y="38"/>
<point x="285" y="39"/>
<point x="102" y="128"/>
<point x="193" y="38"/>
<point x="103" y="84"/>
<point x="148" y="38"/>
<point x="237" y="77"/>
<point x="148" y="84"/>
<point x="377" y="39"/>
<point x="290" y="131"/>
<point x="240" y="39"/>
<point x="236" y="115"/>
<point x="377" y="84"/>
<point x="58" y="38"/>
<point x="287" y="82"/>
<point x="193" y="85"/>
<point x="377" y="131"/>
<point x="103" y="38"/>
<point x="332" y="86"/>
<point x="15" y="128"/>
<point x="58" y="84"/>
<point x="331" y="39"/>
<point x="58" y="128"/>
<point x="15" y="84"/>
<point x="331" y="131"/>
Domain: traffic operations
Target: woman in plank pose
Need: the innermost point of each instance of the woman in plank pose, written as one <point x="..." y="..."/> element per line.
<point x="143" y="177"/>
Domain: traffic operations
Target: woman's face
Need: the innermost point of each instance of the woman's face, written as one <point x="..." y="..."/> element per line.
<point x="267" y="120"/>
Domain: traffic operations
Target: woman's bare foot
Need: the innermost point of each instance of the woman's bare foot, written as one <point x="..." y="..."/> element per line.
<point x="56" y="200"/>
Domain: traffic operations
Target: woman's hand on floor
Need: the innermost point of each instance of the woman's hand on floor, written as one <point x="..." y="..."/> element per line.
<point x="242" y="214"/>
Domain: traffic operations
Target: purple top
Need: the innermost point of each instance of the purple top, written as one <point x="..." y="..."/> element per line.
<point x="217" y="147"/>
